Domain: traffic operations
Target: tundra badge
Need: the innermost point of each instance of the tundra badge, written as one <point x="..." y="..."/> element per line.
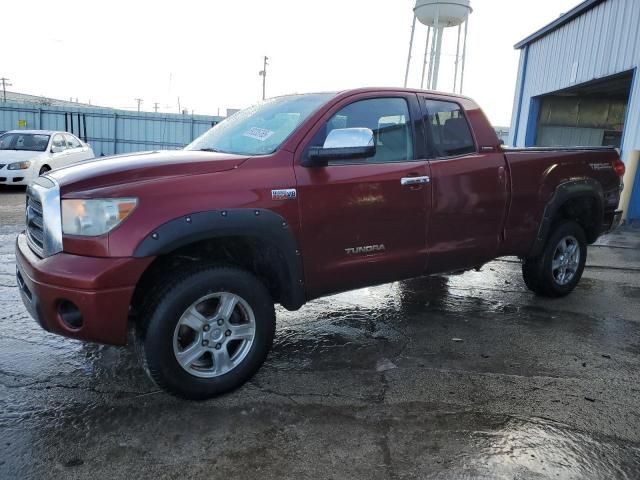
<point x="365" y="249"/>
<point x="284" y="194"/>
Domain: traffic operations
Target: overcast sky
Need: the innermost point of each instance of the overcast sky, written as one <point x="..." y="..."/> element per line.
<point x="209" y="53"/>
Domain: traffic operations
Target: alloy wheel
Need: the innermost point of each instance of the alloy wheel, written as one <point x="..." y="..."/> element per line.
<point x="214" y="335"/>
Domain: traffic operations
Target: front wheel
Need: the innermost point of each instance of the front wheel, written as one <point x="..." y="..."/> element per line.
<point x="209" y="333"/>
<point x="558" y="270"/>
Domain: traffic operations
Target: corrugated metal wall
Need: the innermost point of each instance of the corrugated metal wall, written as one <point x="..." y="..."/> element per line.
<point x="550" y="136"/>
<point x="603" y="41"/>
<point x="109" y="131"/>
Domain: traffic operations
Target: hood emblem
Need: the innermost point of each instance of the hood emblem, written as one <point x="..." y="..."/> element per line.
<point x="284" y="194"/>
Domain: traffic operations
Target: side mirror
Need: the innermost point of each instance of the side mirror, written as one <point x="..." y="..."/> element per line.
<point x="342" y="144"/>
<point x="55" y="149"/>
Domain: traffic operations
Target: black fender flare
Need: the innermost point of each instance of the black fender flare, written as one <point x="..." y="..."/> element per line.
<point x="584" y="187"/>
<point x="264" y="225"/>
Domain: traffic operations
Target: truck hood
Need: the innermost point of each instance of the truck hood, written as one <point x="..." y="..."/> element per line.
<point x="119" y="169"/>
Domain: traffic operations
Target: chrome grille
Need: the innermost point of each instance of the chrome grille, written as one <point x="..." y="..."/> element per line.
<point x="35" y="230"/>
<point x="43" y="217"/>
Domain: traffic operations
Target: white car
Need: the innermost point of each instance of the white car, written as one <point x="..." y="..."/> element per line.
<point x="26" y="154"/>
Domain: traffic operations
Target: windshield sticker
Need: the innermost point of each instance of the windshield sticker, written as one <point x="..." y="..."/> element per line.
<point x="258" y="133"/>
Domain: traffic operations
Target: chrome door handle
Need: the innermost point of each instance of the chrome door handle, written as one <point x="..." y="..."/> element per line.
<point x="414" y="181"/>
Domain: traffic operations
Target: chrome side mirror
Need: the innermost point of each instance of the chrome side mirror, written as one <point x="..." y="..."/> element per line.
<point x="342" y="144"/>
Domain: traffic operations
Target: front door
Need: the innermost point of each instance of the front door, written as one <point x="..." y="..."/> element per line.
<point x="470" y="192"/>
<point x="364" y="221"/>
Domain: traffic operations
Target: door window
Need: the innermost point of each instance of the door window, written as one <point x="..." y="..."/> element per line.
<point x="58" y="141"/>
<point x="450" y="132"/>
<point x="389" y="120"/>
<point x="72" y="142"/>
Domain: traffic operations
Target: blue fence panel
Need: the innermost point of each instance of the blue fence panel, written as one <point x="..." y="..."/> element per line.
<point x="109" y="131"/>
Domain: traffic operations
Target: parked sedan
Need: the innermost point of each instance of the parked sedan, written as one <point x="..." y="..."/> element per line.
<point x="26" y="154"/>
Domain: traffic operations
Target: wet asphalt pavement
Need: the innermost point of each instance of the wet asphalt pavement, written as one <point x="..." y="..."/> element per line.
<point x="467" y="376"/>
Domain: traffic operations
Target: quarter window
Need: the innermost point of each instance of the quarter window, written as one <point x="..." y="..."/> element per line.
<point x="450" y="132"/>
<point x="389" y="120"/>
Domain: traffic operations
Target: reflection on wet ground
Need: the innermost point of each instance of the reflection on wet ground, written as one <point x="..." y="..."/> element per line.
<point x="466" y="376"/>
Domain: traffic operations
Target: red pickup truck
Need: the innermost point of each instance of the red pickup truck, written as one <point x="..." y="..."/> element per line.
<point x="299" y="197"/>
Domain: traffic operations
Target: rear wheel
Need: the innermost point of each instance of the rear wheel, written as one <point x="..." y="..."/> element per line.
<point x="559" y="268"/>
<point x="209" y="333"/>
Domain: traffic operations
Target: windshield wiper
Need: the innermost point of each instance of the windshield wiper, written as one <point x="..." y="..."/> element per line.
<point x="209" y="150"/>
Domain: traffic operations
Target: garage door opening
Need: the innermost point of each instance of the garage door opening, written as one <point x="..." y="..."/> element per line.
<point x="590" y="114"/>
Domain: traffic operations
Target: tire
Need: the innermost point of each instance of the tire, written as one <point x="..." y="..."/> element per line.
<point x="556" y="273"/>
<point x="228" y="358"/>
<point x="44" y="169"/>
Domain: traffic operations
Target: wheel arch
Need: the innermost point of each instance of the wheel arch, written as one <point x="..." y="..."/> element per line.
<point x="581" y="200"/>
<point x="258" y="240"/>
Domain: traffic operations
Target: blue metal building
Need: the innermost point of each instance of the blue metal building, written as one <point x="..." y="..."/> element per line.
<point x="578" y="85"/>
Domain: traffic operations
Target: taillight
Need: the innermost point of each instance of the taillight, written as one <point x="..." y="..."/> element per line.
<point x="618" y="166"/>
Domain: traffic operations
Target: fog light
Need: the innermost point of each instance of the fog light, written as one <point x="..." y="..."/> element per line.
<point x="70" y="314"/>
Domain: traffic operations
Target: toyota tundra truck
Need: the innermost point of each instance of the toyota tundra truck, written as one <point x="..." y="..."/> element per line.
<point x="297" y="198"/>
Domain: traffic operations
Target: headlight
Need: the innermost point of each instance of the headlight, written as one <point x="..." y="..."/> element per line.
<point x="91" y="218"/>
<point x="19" y="165"/>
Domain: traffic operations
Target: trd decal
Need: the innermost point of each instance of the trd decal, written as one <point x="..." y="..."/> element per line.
<point x="601" y="166"/>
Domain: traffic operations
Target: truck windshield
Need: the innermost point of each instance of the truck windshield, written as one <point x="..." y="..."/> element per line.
<point x="261" y="129"/>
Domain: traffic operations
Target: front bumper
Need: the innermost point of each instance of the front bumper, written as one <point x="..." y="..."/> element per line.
<point x="100" y="288"/>
<point x="15" y="177"/>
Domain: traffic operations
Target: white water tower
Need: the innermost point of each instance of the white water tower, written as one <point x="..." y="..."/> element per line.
<point x="438" y="15"/>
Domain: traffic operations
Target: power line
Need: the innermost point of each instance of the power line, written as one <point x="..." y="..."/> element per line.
<point x="5" y="84"/>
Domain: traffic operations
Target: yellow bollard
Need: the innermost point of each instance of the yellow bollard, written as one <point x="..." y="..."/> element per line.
<point x="631" y="165"/>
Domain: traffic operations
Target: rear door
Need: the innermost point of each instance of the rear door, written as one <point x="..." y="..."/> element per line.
<point x="362" y="222"/>
<point x="470" y="191"/>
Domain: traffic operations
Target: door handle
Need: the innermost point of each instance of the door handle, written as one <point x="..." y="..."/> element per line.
<point x="407" y="181"/>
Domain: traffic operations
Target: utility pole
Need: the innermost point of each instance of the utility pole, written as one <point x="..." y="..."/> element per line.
<point x="5" y="84"/>
<point x="155" y="106"/>
<point x="139" y="100"/>
<point x="263" y="74"/>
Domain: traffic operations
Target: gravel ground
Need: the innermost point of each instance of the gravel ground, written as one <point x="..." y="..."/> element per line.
<point x="467" y="376"/>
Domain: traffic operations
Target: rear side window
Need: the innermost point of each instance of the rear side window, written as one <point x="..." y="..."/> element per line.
<point x="389" y="120"/>
<point x="450" y="132"/>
